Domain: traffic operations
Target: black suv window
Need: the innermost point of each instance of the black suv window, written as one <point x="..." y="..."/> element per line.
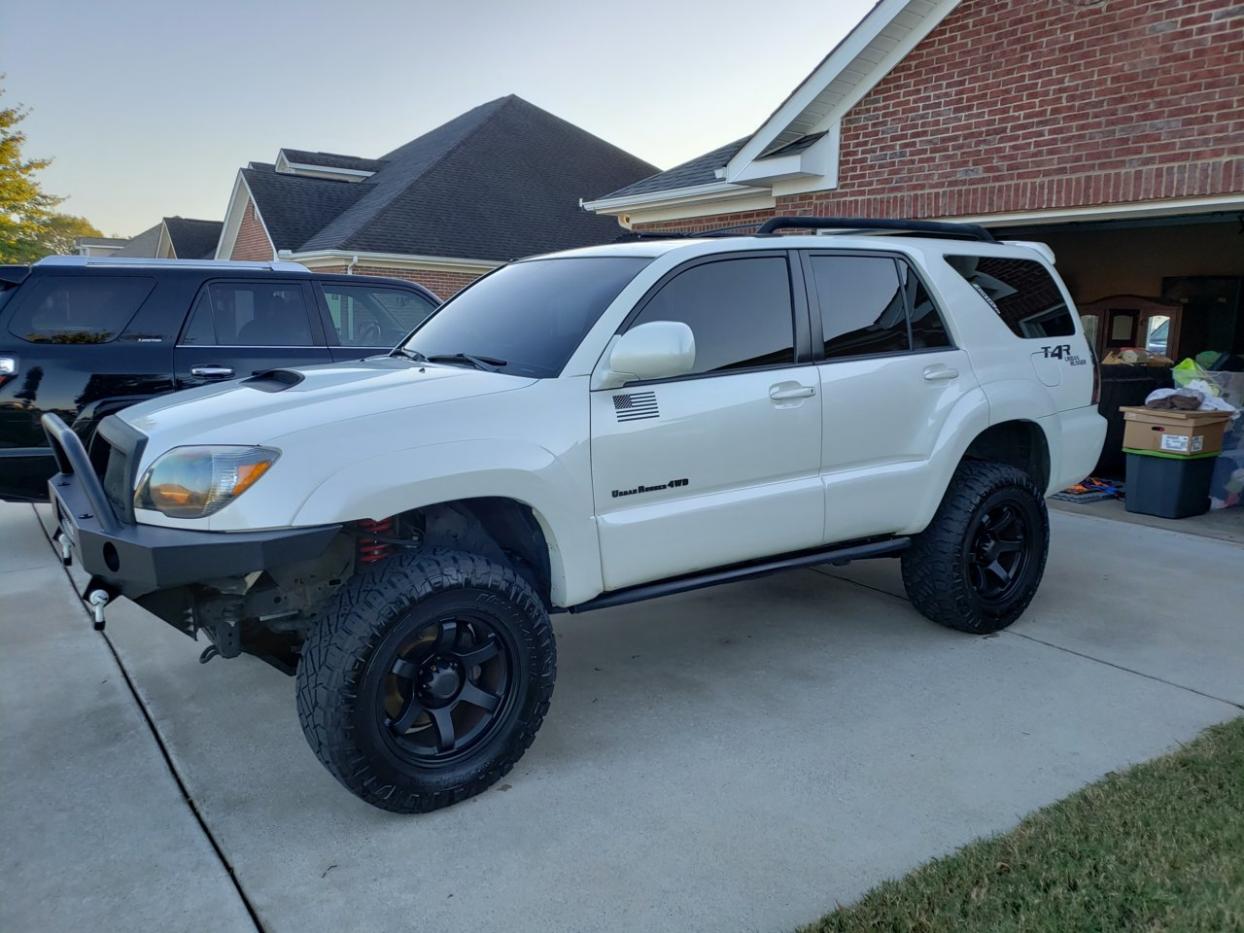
<point x="78" y="309"/>
<point x="738" y="309"/>
<point x="249" y="314"/>
<point x="367" y="316"/>
<point x="928" y="331"/>
<point x="863" y="310"/>
<point x="1022" y="291"/>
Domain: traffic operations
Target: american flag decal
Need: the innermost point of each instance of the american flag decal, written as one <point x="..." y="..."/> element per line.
<point x="636" y="406"/>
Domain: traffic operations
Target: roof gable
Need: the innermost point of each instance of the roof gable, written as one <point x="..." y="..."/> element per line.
<point x="193" y="239"/>
<point x="295" y="207"/>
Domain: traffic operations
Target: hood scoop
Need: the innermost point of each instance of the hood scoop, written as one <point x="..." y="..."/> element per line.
<point x="274" y="380"/>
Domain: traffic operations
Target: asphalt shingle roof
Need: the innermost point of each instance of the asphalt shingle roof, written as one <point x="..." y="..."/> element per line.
<point x="193" y="239"/>
<point x="294" y="207"/>
<point x="698" y="171"/>
<point x="500" y="181"/>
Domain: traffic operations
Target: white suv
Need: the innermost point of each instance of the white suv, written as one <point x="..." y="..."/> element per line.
<point x="586" y="429"/>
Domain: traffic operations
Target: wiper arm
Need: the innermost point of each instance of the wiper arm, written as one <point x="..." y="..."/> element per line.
<point x="487" y="363"/>
<point x="409" y="354"/>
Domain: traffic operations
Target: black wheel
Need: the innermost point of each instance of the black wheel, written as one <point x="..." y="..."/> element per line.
<point x="979" y="562"/>
<point x="426" y="678"/>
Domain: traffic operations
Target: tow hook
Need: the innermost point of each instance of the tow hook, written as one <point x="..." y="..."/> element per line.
<point x="62" y="543"/>
<point x="98" y="599"/>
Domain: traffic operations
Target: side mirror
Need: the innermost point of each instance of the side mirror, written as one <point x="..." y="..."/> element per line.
<point x="656" y="350"/>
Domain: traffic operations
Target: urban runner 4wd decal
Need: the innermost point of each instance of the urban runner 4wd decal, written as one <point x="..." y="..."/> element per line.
<point x="672" y="484"/>
<point x="1062" y="351"/>
<point x="636" y="406"/>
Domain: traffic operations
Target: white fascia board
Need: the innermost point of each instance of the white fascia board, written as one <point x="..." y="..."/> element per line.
<point x="285" y="167"/>
<point x="320" y="258"/>
<point x="1138" y="209"/>
<point x="238" y="200"/>
<point x="713" y="191"/>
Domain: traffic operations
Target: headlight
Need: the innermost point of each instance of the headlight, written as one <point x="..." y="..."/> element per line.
<point x="191" y="482"/>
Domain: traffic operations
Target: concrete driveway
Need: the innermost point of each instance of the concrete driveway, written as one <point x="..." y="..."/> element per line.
<point x="734" y="759"/>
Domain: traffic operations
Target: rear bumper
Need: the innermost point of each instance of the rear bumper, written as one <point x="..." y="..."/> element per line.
<point x="1081" y="433"/>
<point x="134" y="560"/>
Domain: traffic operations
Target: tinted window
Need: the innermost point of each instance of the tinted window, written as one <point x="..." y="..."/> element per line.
<point x="78" y="309"/>
<point x="738" y="309"/>
<point x="249" y="314"/>
<point x="531" y="314"/>
<point x="364" y="316"/>
<point x="928" y="331"/>
<point x="1021" y="291"/>
<point x="862" y="305"/>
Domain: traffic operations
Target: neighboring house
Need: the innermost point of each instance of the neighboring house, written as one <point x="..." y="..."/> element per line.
<point x="497" y="183"/>
<point x="1111" y="129"/>
<point x="174" y="238"/>
<point x="98" y="245"/>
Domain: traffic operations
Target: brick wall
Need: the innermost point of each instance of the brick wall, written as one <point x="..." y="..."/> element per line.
<point x="1022" y="105"/>
<point x="442" y="284"/>
<point x="1025" y="105"/>
<point x="252" y="242"/>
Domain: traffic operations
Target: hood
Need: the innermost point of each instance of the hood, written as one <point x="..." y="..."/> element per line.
<point x="261" y="409"/>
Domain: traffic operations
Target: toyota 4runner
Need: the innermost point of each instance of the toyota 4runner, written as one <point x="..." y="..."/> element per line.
<point x="581" y="430"/>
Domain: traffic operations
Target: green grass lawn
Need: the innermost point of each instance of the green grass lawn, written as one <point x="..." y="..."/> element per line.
<point x="1157" y="847"/>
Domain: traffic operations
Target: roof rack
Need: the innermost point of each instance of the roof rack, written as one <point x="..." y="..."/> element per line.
<point x="849" y="224"/>
<point x="135" y="262"/>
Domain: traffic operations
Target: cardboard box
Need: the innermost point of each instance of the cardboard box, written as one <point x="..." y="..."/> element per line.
<point x="1174" y="433"/>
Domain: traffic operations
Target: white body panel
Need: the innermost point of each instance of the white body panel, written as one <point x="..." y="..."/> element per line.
<point x="869" y="452"/>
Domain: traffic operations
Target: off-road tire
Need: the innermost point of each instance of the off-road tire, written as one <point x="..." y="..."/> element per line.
<point x="370" y="611"/>
<point x="936" y="567"/>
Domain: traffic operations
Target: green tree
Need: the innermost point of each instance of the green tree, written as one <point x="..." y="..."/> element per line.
<point x="30" y="227"/>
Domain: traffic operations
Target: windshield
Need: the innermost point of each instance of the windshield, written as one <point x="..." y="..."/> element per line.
<point x="527" y="317"/>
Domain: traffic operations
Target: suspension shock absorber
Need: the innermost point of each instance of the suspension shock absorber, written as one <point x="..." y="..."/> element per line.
<point x="371" y="550"/>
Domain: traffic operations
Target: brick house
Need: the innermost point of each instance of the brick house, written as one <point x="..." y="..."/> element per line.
<point x="1111" y="129"/>
<point x="499" y="182"/>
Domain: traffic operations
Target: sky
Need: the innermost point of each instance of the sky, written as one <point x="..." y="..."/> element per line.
<point x="149" y="107"/>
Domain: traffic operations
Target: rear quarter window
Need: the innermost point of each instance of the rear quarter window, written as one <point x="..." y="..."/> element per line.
<point x="77" y="309"/>
<point x="1021" y="291"/>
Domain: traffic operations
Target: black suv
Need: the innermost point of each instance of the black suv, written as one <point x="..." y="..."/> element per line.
<point x="85" y="337"/>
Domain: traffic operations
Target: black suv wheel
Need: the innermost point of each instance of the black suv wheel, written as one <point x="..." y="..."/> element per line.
<point x="979" y="562"/>
<point x="426" y="679"/>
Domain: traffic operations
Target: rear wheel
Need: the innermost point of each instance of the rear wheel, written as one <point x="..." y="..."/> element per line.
<point x="978" y="564"/>
<point x="426" y="679"/>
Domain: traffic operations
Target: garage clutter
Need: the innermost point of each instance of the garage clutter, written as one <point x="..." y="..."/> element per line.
<point x="1185" y="445"/>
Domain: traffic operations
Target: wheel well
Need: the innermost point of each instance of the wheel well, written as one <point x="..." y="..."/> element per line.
<point x="1020" y="444"/>
<point x="494" y="527"/>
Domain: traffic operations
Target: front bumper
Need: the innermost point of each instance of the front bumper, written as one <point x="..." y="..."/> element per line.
<point x="134" y="560"/>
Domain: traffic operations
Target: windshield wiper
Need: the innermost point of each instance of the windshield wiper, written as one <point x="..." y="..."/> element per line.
<point x="409" y="354"/>
<point x="487" y="363"/>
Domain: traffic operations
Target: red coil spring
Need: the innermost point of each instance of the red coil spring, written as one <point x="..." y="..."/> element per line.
<point x="371" y="550"/>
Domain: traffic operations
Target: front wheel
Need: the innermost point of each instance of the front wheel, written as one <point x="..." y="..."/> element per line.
<point x="426" y="678"/>
<point x="979" y="562"/>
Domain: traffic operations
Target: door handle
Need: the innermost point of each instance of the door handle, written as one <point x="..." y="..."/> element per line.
<point x="939" y="373"/>
<point x="784" y="391"/>
<point x="211" y="372"/>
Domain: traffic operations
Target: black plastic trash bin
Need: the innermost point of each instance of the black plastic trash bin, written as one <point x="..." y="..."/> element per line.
<point x="1168" y="486"/>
